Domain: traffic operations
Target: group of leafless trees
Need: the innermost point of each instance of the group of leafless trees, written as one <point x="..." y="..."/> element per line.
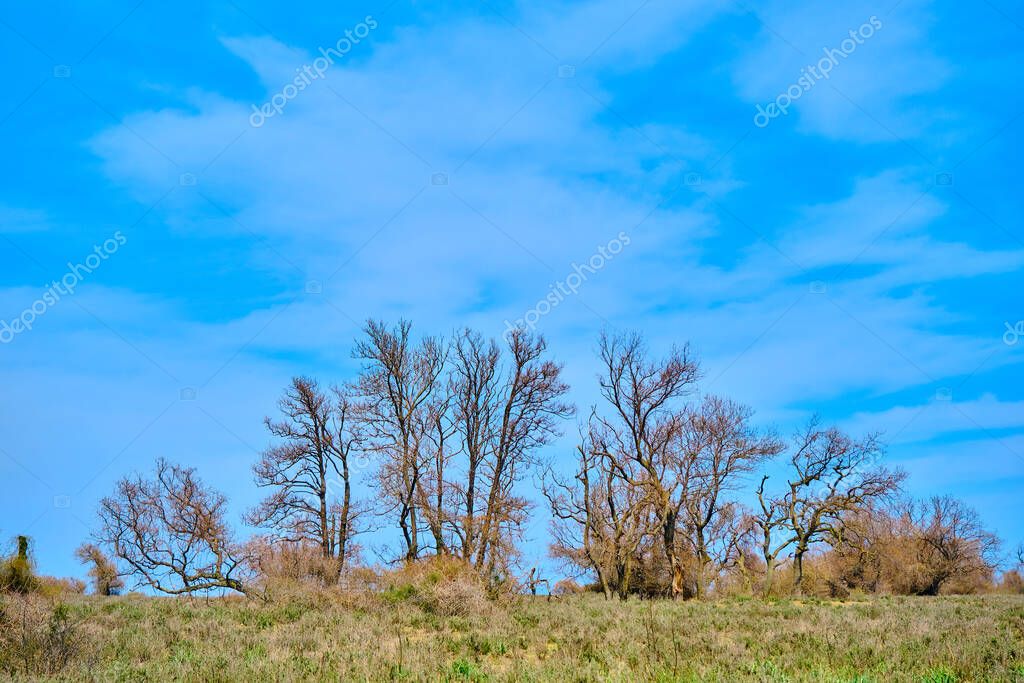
<point x="651" y="506"/>
<point x="654" y="505"/>
<point x="448" y="430"/>
<point x="454" y="427"/>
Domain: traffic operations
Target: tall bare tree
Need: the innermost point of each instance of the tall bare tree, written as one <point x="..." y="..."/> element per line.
<point x="718" y="448"/>
<point x="398" y="381"/>
<point x="642" y="430"/>
<point x="475" y="396"/>
<point x="524" y="413"/>
<point x="172" y="533"/>
<point x="769" y="524"/>
<point x="306" y="470"/>
<point x="832" y="475"/>
<point x="347" y="440"/>
<point x="436" y="489"/>
<point x="600" y="520"/>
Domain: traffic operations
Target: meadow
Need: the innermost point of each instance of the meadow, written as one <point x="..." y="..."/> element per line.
<point x="389" y="636"/>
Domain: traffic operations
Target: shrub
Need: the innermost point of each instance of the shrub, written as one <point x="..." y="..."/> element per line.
<point x="37" y="635"/>
<point x="103" y="571"/>
<point x="55" y="587"/>
<point x="444" y="586"/>
<point x="567" y="587"/>
<point x="286" y="569"/>
<point x="458" y="597"/>
<point x="1012" y="582"/>
<point x="16" y="575"/>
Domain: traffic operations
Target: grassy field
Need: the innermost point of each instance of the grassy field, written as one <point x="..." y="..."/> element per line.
<point x="579" y="638"/>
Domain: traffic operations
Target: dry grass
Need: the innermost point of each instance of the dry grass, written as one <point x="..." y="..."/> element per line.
<point x="396" y="635"/>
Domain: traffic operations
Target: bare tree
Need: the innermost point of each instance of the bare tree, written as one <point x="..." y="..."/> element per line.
<point x="768" y="524"/>
<point x="600" y="520"/>
<point x="718" y="448"/>
<point x="644" y="425"/>
<point x="951" y="544"/>
<point x="347" y="438"/>
<point x="916" y="547"/>
<point x="474" y="390"/>
<point x="396" y="386"/>
<point x="171" y="532"/>
<point x="304" y="471"/>
<point x="521" y="416"/>
<point x="832" y="475"/>
<point x="102" y="570"/>
<point x="534" y="580"/>
<point x="436" y="490"/>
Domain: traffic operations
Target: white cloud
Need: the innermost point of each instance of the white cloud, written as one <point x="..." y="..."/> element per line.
<point x="869" y="96"/>
<point x="323" y="178"/>
<point x="923" y="422"/>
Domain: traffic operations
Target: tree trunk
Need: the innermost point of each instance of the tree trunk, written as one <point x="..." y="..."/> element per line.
<point x="703" y="561"/>
<point x="414" y="546"/>
<point x="407" y="522"/>
<point x="701" y="578"/>
<point x="487" y="529"/>
<point x="343" y="523"/>
<point x="437" y="527"/>
<point x="627" y="579"/>
<point x="668" y="530"/>
<point x="769" y="574"/>
<point x="436" y="531"/>
<point x="468" y="528"/>
<point x="798" y="568"/>
<point x="325" y="535"/>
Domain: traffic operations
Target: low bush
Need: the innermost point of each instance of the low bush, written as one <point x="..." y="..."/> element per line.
<point x="1012" y="583"/>
<point x="447" y="587"/>
<point x="55" y="587"/>
<point x="38" y="635"/>
<point x="16" y="575"/>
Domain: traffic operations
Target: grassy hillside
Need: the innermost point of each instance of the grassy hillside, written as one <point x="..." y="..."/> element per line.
<point x="576" y="638"/>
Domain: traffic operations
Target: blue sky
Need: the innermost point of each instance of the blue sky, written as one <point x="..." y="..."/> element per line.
<point x="859" y="256"/>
